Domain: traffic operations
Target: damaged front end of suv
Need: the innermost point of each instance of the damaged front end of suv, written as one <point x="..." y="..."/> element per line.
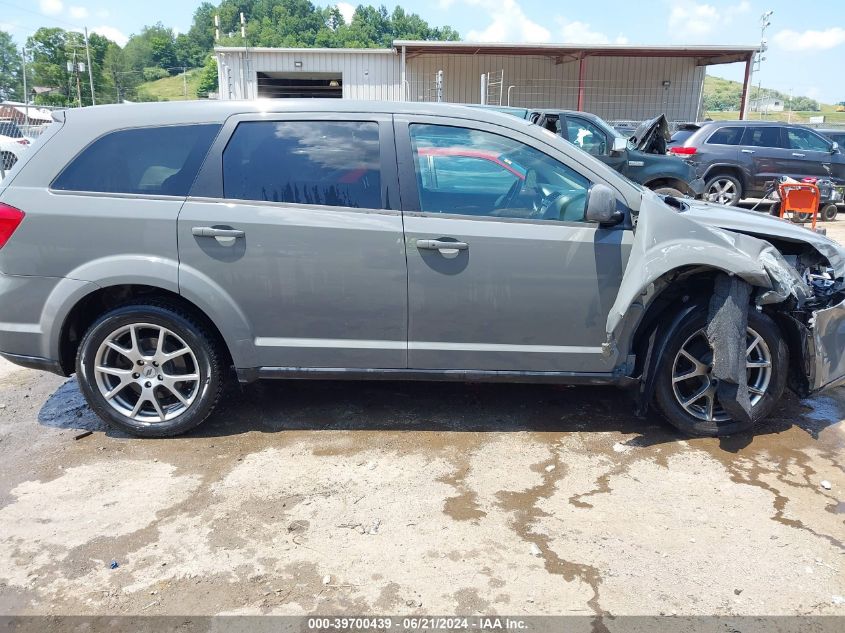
<point x="699" y="258"/>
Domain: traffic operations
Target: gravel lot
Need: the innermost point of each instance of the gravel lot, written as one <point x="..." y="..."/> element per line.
<point x="401" y="498"/>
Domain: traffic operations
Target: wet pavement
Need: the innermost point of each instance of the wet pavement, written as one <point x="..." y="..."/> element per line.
<point x="402" y="498"/>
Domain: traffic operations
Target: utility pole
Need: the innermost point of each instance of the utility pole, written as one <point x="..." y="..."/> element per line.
<point x="25" y="90"/>
<point x="759" y="58"/>
<point x="75" y="68"/>
<point x="90" y="73"/>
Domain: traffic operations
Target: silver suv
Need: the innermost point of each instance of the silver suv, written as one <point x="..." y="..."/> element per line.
<point x="152" y="249"/>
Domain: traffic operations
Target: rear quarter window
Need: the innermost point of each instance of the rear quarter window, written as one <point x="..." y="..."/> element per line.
<point x="153" y="160"/>
<point x="725" y="136"/>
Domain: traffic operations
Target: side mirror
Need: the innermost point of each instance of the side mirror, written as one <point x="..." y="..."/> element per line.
<point x="834" y="148"/>
<point x="601" y="205"/>
<point x="619" y="144"/>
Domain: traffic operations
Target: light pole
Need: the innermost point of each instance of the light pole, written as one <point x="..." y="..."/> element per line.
<point x="759" y="58"/>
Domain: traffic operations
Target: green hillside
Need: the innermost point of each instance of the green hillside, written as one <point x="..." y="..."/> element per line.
<point x="722" y="99"/>
<point x="171" y="88"/>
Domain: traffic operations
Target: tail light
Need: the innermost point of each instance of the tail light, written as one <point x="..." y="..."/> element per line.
<point x="682" y="151"/>
<point x="23" y="141"/>
<point x="10" y="220"/>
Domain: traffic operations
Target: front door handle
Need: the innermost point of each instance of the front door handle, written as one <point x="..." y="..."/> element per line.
<point x="441" y="245"/>
<point x="210" y="231"/>
<point x="798" y="155"/>
<point x="747" y="151"/>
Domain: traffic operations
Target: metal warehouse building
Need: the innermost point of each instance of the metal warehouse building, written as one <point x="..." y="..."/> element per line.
<point x="614" y="82"/>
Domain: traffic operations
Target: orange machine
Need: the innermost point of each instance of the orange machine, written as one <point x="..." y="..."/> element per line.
<point x="801" y="199"/>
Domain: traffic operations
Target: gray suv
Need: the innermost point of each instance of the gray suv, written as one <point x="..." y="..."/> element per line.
<point x="157" y="249"/>
<point x="737" y="159"/>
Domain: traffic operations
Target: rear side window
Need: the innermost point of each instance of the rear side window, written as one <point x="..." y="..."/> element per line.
<point x="154" y="160"/>
<point x="769" y="136"/>
<point x="333" y="163"/>
<point x="724" y="136"/>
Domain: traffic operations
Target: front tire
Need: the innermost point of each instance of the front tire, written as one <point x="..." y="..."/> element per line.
<point x="685" y="392"/>
<point x="669" y="191"/>
<point x="723" y="189"/>
<point x="150" y="370"/>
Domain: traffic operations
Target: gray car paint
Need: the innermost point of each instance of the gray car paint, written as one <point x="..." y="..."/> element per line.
<point x="517" y="319"/>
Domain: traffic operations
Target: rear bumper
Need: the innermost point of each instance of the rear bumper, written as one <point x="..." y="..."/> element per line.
<point x="32" y="312"/>
<point x="697" y="187"/>
<point x="827" y="348"/>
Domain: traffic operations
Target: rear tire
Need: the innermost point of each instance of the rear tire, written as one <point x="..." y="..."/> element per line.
<point x="692" y="418"/>
<point x="723" y="189"/>
<point x="829" y="213"/>
<point x="150" y="370"/>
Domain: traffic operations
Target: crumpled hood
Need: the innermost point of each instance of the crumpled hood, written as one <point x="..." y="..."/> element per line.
<point x="652" y="135"/>
<point x="763" y="225"/>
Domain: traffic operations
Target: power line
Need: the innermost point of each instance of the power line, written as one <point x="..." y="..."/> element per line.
<point x="41" y="15"/>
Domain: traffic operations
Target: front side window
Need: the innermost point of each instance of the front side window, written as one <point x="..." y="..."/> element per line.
<point x="154" y="160"/>
<point x="724" y="136"/>
<point x="333" y="163"/>
<point x="806" y="140"/>
<point x="471" y="172"/>
<point x="586" y="136"/>
<point x="763" y="136"/>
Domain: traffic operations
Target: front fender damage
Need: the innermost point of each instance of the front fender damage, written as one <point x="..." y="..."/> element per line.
<point x="748" y="270"/>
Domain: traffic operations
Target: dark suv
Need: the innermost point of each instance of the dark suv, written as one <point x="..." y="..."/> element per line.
<point x="738" y="158"/>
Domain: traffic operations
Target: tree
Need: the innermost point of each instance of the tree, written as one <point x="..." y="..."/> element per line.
<point x="208" y="78"/>
<point x="49" y="49"/>
<point x="119" y="80"/>
<point x="11" y="75"/>
<point x="154" y="46"/>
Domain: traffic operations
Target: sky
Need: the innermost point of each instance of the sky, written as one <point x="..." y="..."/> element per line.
<point x="806" y="40"/>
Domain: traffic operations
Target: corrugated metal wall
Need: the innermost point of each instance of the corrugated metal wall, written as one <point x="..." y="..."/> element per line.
<point x="538" y="81"/>
<point x="365" y="75"/>
<point x="615" y="88"/>
<point x="632" y="87"/>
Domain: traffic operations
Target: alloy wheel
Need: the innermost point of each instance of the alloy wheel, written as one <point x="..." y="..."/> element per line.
<point x="695" y="388"/>
<point x="147" y="373"/>
<point x="722" y="191"/>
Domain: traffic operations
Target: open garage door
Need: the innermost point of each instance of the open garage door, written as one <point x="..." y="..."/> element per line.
<point x="300" y="85"/>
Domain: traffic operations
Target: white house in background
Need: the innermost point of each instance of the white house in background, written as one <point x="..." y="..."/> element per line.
<point x="615" y="82"/>
<point x="767" y="105"/>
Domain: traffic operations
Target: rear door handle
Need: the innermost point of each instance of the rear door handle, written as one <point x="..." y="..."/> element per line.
<point x="747" y="151"/>
<point x="797" y="155"/>
<point x="441" y="245"/>
<point x="210" y="231"/>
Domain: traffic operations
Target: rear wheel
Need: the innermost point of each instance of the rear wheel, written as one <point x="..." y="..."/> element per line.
<point x="150" y="370"/>
<point x="685" y="390"/>
<point x="829" y="212"/>
<point x="723" y="189"/>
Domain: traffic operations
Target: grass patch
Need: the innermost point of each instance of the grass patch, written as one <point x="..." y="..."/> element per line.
<point x="173" y="88"/>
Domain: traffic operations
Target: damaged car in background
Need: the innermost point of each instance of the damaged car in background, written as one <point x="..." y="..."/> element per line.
<point x="640" y="156"/>
<point x="189" y="243"/>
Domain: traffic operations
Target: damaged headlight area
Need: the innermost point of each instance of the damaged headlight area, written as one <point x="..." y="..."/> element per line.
<point x="810" y="305"/>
